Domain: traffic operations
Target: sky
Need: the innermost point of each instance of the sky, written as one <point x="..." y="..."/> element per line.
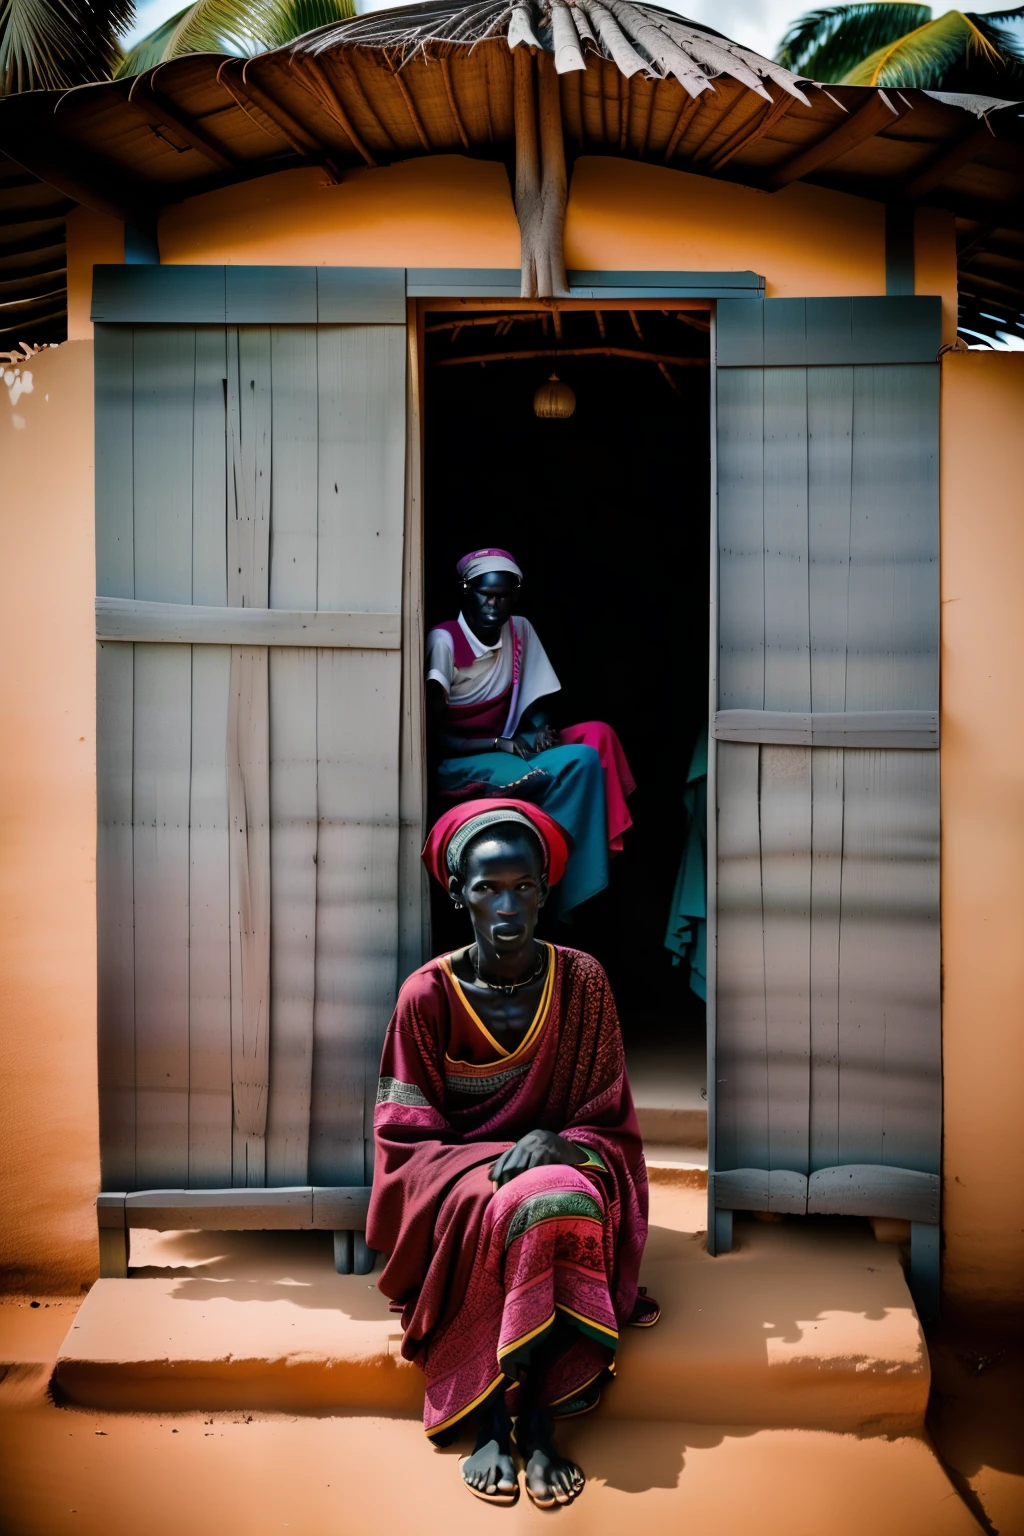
<point x="758" y="24"/>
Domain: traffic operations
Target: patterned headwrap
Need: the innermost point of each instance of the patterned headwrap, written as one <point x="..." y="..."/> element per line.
<point x="479" y="561"/>
<point x="456" y="828"/>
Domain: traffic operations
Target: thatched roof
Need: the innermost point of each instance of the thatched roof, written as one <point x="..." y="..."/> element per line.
<point x="633" y="80"/>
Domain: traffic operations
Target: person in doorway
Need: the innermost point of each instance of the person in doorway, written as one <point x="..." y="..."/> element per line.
<point x="510" y="1190"/>
<point x="489" y="682"/>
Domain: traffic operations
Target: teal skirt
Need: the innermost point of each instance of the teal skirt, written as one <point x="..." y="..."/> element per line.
<point x="566" y="782"/>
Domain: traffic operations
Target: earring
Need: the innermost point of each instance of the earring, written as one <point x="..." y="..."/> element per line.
<point x="458" y="906"/>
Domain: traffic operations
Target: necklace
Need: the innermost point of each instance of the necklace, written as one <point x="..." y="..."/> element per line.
<point x="508" y="987"/>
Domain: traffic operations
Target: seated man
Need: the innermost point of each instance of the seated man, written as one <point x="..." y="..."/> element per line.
<point x="488" y="679"/>
<point x="509" y="1189"/>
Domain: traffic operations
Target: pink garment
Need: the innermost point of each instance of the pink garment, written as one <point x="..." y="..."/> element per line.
<point x="618" y="778"/>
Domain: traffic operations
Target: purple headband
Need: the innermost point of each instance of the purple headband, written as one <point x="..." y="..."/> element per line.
<point x="479" y="561"/>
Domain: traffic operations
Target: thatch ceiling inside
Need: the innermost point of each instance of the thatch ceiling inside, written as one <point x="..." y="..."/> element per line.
<point x="632" y="80"/>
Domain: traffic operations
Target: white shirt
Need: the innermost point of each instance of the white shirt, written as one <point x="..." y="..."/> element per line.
<point x="489" y="674"/>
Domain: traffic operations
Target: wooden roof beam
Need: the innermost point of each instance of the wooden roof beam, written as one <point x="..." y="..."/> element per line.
<point x="945" y="163"/>
<point x="747" y="135"/>
<point x="65" y="169"/>
<point x="876" y="114"/>
<point x="978" y="286"/>
<point x="247" y="94"/>
<point x="453" y="106"/>
<point x="155" y="107"/>
<point x="51" y="240"/>
<point x="333" y="103"/>
<point x="535" y="352"/>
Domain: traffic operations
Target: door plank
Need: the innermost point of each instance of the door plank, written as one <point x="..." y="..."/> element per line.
<point x="357" y="900"/>
<point x="894" y="602"/>
<point x="829" y="490"/>
<point x="115" y="468"/>
<point x="115" y="574"/>
<point x="829" y="483"/>
<point x="413" y="893"/>
<point x="165" y="367"/>
<point x="210" y="1106"/>
<point x="787" y="671"/>
<point x="741" y="1054"/>
<point x="785" y="772"/>
<point x="210" y="1109"/>
<point x="164" y="370"/>
<point x="785" y="815"/>
<point x="362" y="467"/>
<point x="741" y="664"/>
<point x="889" y="1002"/>
<point x="361" y="503"/>
<point x="827" y="769"/>
<point x="293" y="766"/>
<point x="115" y="914"/>
<point x="248" y="749"/>
<point x="162" y="753"/>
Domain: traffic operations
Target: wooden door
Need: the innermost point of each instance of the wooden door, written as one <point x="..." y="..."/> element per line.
<point x="250" y="519"/>
<point x="826" y="1040"/>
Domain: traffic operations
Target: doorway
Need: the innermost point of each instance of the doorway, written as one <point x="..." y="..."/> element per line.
<point x="606" y="511"/>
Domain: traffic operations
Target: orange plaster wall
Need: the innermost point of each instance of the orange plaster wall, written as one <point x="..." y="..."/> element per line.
<point x="49" y="1150"/>
<point x="445" y="211"/>
<point x="935" y="262"/>
<point x="804" y="241"/>
<point x="982" y="566"/>
<point x="92" y="238"/>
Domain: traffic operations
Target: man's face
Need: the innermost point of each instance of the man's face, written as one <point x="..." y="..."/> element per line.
<point x="487" y="603"/>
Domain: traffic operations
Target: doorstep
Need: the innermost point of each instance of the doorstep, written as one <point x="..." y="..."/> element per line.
<point x="806" y="1324"/>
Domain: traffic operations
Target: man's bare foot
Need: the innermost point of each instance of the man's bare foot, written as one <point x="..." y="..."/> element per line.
<point x="490" y="1472"/>
<point x="550" y="1477"/>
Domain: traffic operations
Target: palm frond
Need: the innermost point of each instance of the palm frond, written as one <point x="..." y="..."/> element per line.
<point x="930" y="55"/>
<point x="1005" y="30"/>
<point x="50" y="44"/>
<point x="232" y="26"/>
<point x="825" y="44"/>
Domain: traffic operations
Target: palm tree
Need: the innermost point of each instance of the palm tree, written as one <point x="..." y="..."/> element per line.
<point x="892" y="43"/>
<point x="232" y="26"/>
<point x="53" y="44"/>
<point x="49" y="44"/>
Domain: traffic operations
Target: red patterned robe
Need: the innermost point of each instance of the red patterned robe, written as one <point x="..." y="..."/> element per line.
<point x="483" y="1276"/>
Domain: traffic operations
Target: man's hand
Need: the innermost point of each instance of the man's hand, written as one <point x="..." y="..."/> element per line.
<point x="537" y="1149"/>
<point x="542" y="739"/>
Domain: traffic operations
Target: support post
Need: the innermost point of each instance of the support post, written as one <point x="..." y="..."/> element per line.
<point x="899" y="249"/>
<point x="721" y="1234"/>
<point x="114" y="1239"/>
<point x="541" y="177"/>
<point x="925" y="1246"/>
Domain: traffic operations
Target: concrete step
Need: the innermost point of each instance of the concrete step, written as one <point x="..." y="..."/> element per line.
<point x="804" y="1324"/>
<point x="668" y="1083"/>
<point x="685" y="1167"/>
<point x="685" y="1125"/>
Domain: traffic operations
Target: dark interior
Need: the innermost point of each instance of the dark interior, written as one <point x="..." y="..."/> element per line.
<point x="607" y="513"/>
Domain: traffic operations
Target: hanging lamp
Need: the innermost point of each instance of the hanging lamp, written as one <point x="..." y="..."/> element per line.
<point x="554" y="400"/>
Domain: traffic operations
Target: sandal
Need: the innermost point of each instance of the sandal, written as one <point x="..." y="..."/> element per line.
<point x="646" y="1310"/>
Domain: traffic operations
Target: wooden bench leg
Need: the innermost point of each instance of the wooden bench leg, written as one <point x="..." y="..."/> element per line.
<point x="343" y="1252"/>
<point x="115" y="1241"/>
<point x="113" y="1253"/>
<point x="924" y="1269"/>
<point x="363" y="1258"/>
<point x="723" y="1232"/>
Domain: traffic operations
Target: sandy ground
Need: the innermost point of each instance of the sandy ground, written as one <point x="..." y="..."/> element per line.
<point x="232" y="1474"/>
